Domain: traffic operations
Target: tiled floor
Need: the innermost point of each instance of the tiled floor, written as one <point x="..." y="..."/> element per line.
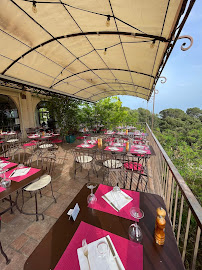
<point x="20" y="234"/>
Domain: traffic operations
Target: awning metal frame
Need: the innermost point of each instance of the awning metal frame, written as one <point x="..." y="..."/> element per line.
<point x="183" y="15"/>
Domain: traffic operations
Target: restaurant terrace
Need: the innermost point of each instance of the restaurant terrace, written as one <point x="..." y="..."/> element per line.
<point x="101" y="197"/>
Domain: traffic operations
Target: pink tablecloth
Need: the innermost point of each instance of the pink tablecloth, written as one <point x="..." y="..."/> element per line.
<point x="25" y="145"/>
<point x="103" y="206"/>
<point x="130" y="253"/>
<point x="20" y="178"/>
<point x="89" y="145"/>
<point x="10" y="165"/>
<point x="2" y="189"/>
<point x="119" y="149"/>
<point x="135" y="149"/>
<point x="109" y="140"/>
<point x="114" y="144"/>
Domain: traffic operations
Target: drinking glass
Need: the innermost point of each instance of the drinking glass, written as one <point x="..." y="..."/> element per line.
<point x="135" y="233"/>
<point x="5" y="183"/>
<point x="2" y="173"/>
<point x="20" y="166"/>
<point x="91" y="198"/>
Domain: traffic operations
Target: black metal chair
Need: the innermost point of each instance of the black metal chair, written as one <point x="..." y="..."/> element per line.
<point x="136" y="164"/>
<point x="112" y="162"/>
<point x="47" y="164"/>
<point x="84" y="158"/>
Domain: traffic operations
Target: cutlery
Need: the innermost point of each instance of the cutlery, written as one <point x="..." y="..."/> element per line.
<point x="113" y="252"/>
<point x="85" y="251"/>
<point x="125" y="196"/>
<point x="12" y="174"/>
<point x="111" y="203"/>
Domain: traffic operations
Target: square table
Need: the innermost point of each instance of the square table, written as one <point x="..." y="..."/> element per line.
<point x="50" y="249"/>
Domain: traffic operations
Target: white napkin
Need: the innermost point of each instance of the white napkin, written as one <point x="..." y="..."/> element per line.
<point x="2" y="165"/>
<point x="85" y="145"/>
<point x="13" y="140"/>
<point x="113" y="148"/>
<point x="118" y="144"/>
<point x="96" y="262"/>
<point x="20" y="172"/>
<point x="119" y="199"/>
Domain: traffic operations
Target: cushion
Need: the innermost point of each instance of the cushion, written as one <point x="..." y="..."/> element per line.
<point x="84" y="159"/>
<point x="43" y="181"/>
<point x="112" y="164"/>
<point x="134" y="166"/>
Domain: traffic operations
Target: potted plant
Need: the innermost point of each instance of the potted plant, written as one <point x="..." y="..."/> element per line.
<point x="66" y="112"/>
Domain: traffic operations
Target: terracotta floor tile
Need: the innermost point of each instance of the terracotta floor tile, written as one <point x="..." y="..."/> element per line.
<point x="38" y="230"/>
<point x="19" y="242"/>
<point x="17" y="260"/>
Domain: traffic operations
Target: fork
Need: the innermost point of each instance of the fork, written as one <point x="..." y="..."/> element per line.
<point x="85" y="251"/>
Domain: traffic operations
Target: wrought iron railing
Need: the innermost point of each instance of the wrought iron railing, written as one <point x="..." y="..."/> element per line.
<point x="185" y="212"/>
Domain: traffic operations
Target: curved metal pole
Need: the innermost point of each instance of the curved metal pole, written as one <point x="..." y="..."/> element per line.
<point x="121" y="33"/>
<point x="163" y="79"/>
<point x="183" y="47"/>
<point x="155" y="92"/>
<point x="101" y="69"/>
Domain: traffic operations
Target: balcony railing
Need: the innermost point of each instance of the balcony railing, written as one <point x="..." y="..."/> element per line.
<point x="185" y="212"/>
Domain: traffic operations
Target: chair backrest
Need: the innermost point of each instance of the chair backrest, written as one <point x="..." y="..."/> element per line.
<point x="79" y="152"/>
<point x="114" y="160"/>
<point x="48" y="164"/>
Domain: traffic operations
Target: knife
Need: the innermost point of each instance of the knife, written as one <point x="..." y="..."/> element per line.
<point x="113" y="252"/>
<point x="12" y="174"/>
<point x="111" y="203"/>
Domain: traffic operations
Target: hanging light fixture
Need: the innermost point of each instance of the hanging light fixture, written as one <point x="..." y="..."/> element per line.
<point x="108" y="21"/>
<point x="152" y="44"/>
<point x="34" y="9"/>
<point x="105" y="51"/>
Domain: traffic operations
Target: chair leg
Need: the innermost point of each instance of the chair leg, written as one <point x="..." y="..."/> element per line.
<point x="40" y="193"/>
<point x="131" y="180"/>
<point x="138" y="182"/>
<point x="22" y="199"/>
<point x="11" y="204"/>
<point x="52" y="192"/>
<point x="75" y="171"/>
<point x="37" y="208"/>
<point x="4" y="254"/>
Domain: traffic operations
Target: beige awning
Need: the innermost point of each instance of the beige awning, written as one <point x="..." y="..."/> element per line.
<point x="67" y="46"/>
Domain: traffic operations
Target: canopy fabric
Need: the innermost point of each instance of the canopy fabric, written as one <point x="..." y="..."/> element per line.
<point x="67" y="46"/>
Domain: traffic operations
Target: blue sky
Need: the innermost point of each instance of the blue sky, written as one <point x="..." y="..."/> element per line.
<point x="183" y="71"/>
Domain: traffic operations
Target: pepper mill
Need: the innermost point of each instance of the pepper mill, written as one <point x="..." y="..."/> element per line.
<point x="160" y="230"/>
<point x="127" y="146"/>
<point x="160" y="212"/>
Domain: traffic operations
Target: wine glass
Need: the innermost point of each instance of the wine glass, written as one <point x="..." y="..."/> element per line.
<point x="135" y="233"/>
<point x="5" y="182"/>
<point x="91" y="198"/>
<point x="116" y="193"/>
<point x="2" y="173"/>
